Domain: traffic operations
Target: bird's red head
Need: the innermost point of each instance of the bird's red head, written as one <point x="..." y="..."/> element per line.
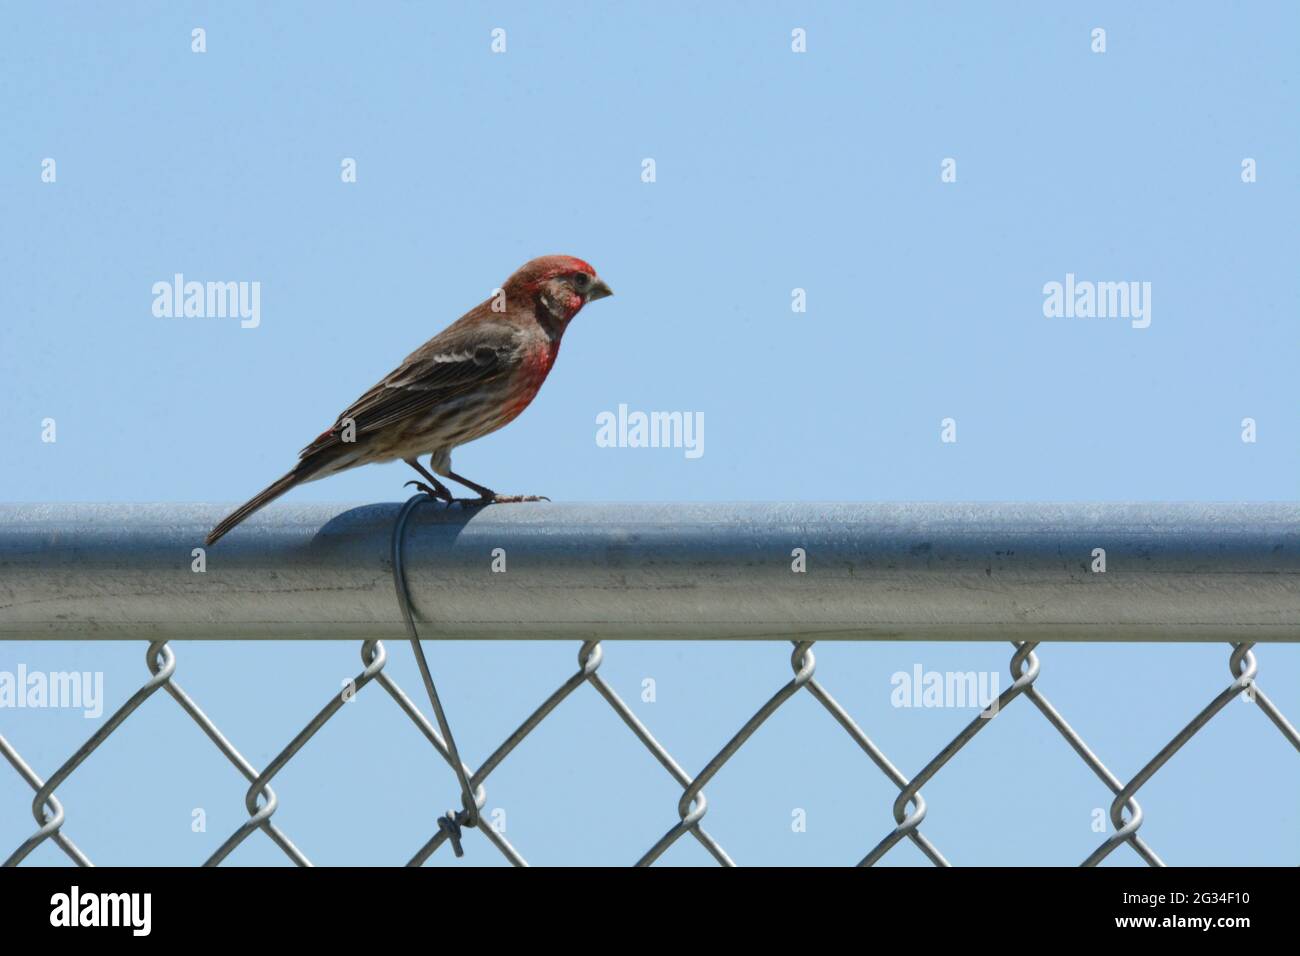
<point x="561" y="285"/>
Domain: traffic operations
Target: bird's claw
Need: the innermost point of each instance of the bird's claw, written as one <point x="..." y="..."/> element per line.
<point x="497" y="500"/>
<point x="431" y="492"/>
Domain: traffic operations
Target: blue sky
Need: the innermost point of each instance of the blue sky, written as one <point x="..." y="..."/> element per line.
<point x="774" y="171"/>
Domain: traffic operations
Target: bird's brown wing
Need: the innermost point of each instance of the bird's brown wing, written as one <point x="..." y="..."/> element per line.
<point x="462" y="358"/>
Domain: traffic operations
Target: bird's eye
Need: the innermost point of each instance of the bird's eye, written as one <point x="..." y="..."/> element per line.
<point x="581" y="280"/>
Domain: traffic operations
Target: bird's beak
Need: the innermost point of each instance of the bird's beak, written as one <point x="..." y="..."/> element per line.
<point x="598" y="290"/>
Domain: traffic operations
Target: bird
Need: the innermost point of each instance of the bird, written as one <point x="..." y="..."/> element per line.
<point x="472" y="378"/>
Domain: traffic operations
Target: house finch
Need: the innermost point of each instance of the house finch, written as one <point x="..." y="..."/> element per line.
<point x="467" y="381"/>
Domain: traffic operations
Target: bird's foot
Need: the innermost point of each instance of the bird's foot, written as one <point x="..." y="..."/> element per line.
<point x="498" y="500"/>
<point x="439" y="495"/>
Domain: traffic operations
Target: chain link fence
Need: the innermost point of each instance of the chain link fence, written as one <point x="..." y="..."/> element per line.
<point x="689" y="815"/>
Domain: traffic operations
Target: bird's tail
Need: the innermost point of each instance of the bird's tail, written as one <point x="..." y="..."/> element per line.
<point x="263" y="498"/>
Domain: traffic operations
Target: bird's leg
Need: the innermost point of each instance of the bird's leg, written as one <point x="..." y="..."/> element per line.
<point x="486" y="496"/>
<point x="435" y="488"/>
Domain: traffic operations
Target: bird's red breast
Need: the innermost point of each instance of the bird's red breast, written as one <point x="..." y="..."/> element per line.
<point x="527" y="381"/>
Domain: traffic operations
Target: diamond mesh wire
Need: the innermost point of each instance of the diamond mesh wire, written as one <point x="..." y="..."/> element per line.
<point x="909" y="809"/>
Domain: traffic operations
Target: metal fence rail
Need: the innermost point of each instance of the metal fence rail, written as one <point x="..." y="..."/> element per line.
<point x="1200" y="572"/>
<point x="798" y="573"/>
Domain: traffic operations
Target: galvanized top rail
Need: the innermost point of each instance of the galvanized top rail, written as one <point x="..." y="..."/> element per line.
<point x="1024" y="572"/>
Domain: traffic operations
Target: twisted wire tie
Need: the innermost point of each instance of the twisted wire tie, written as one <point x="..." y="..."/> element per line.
<point x="451" y="822"/>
